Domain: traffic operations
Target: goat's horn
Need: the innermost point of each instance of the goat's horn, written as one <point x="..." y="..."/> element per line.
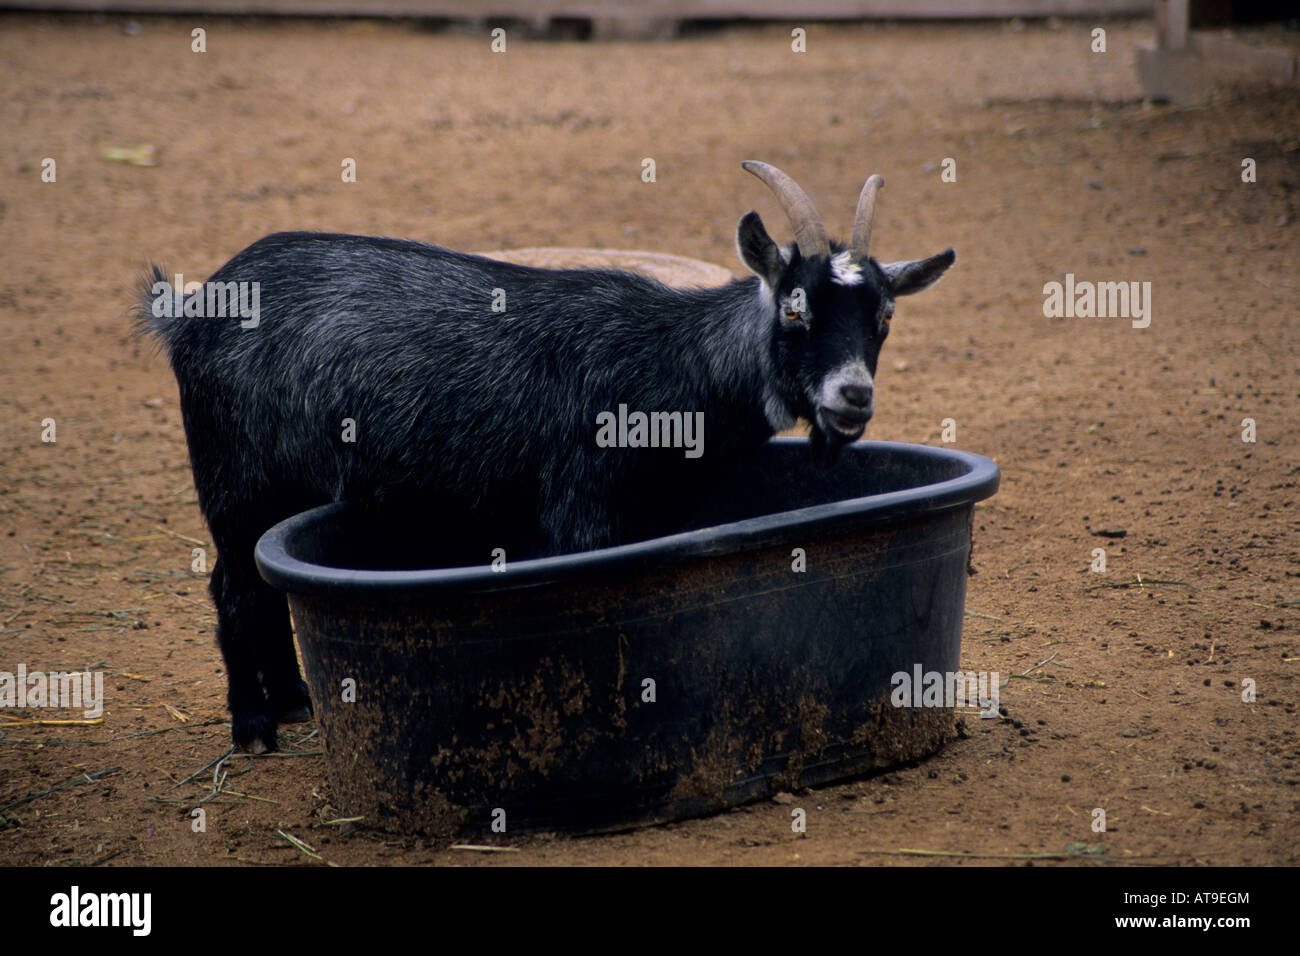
<point x="862" y="221"/>
<point x="809" y="233"/>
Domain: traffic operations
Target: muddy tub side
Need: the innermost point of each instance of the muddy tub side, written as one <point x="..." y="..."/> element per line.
<point x="649" y="682"/>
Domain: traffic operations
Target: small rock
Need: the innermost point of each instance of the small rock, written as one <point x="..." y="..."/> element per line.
<point x="783" y="798"/>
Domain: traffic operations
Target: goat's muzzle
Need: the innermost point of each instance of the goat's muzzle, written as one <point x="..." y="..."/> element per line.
<point x="845" y="421"/>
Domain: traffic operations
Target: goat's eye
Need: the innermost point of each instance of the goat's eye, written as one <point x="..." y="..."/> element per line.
<point x="793" y="315"/>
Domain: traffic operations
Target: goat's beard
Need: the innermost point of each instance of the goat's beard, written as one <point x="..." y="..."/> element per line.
<point x="826" y="447"/>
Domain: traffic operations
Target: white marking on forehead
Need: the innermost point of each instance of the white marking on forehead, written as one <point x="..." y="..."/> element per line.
<point x="844" y="271"/>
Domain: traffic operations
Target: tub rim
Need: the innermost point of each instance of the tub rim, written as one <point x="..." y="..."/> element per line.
<point x="294" y="576"/>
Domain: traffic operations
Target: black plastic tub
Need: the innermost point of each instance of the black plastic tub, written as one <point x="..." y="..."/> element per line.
<point x="646" y="682"/>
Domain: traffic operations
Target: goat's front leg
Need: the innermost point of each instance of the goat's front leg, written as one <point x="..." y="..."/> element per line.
<point x="576" y="513"/>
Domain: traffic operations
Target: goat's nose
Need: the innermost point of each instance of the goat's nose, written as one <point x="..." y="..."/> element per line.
<point x="858" y="395"/>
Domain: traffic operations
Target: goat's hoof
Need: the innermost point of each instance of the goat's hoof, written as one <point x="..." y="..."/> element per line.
<point x="254" y="735"/>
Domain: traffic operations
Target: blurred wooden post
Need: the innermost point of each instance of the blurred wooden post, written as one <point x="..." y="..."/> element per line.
<point x="1172" y="19"/>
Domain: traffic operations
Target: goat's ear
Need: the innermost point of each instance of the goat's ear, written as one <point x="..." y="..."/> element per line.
<point x="906" y="278"/>
<point x="757" y="250"/>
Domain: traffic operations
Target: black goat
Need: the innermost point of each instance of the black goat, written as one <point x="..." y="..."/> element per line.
<point x="419" y="380"/>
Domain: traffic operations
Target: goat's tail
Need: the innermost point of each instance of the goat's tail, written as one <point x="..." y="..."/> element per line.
<point x="148" y="317"/>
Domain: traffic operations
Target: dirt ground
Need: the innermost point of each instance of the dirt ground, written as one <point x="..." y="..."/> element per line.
<point x="1126" y="687"/>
